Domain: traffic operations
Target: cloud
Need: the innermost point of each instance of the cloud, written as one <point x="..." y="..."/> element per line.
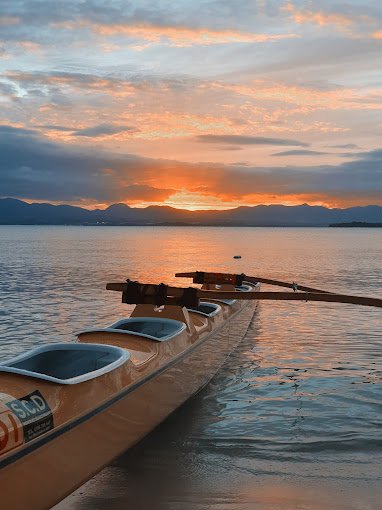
<point x="374" y="155"/>
<point x="345" y="146"/>
<point x="88" y="83"/>
<point x="102" y="130"/>
<point x="9" y="20"/>
<point x="53" y="127"/>
<point x="209" y="67"/>
<point x="318" y="17"/>
<point x="351" y="22"/>
<point x="175" y="35"/>
<point x="44" y="170"/>
<point x="145" y="193"/>
<point x="308" y="98"/>
<point x="174" y="24"/>
<point x="231" y="148"/>
<point x="17" y="132"/>
<point x="247" y="140"/>
<point x="300" y="153"/>
<point x="50" y="171"/>
<point x="8" y="90"/>
<point x="56" y="172"/>
<point x="157" y="105"/>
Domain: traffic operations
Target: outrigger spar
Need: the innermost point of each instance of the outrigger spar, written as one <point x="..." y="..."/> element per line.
<point x="68" y="409"/>
<point x="148" y="293"/>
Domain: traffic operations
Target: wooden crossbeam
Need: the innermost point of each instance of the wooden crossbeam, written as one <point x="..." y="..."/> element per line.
<point x="174" y="293"/>
<point x="219" y="278"/>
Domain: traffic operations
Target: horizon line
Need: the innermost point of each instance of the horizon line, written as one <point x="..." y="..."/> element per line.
<point x="105" y="206"/>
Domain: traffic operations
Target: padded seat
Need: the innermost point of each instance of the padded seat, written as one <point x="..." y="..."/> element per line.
<point x="158" y="329"/>
<point x="150" y="327"/>
<point x="206" y="308"/>
<point x="67" y="363"/>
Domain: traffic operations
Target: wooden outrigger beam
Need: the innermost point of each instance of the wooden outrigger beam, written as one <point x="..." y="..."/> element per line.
<point x="135" y="292"/>
<point x="237" y="279"/>
<point x="138" y="293"/>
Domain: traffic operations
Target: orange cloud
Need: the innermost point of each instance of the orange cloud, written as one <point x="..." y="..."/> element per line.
<point x="143" y="194"/>
<point x="318" y="17"/>
<point x="184" y="36"/>
<point x="29" y="46"/>
<point x="195" y="201"/>
<point x="353" y="25"/>
<point x="153" y="126"/>
<point x="306" y="99"/>
<point x="177" y="124"/>
<point x="175" y="35"/>
<point x="309" y="99"/>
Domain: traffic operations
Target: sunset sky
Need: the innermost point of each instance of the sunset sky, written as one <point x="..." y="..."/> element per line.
<point x="191" y="103"/>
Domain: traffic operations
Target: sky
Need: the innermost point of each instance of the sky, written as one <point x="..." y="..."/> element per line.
<point x="197" y="104"/>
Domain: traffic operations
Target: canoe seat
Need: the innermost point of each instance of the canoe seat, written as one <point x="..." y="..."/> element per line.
<point x="158" y="329"/>
<point x="205" y="308"/>
<point x="150" y="327"/>
<point x="240" y="288"/>
<point x="67" y="363"/>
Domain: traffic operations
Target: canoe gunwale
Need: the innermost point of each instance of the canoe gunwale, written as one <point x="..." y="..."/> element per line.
<point x="26" y="449"/>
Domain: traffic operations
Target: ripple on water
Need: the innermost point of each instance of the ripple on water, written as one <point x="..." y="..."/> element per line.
<point x="297" y="407"/>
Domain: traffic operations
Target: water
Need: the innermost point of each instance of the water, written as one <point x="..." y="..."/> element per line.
<point x="292" y="421"/>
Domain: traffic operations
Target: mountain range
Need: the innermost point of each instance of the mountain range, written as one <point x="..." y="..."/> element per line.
<point x="17" y="212"/>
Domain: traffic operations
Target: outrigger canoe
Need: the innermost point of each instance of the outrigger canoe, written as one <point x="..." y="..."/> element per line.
<point x="68" y="409"/>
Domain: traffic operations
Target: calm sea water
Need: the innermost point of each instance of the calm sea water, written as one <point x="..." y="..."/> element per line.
<point x="292" y="421"/>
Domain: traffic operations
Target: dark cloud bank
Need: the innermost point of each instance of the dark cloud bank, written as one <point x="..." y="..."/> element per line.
<point x="34" y="168"/>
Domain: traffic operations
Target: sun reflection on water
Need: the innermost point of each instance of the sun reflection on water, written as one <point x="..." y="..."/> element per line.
<point x="293" y="418"/>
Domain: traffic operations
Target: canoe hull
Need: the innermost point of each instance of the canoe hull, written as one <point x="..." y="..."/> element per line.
<point x="58" y="464"/>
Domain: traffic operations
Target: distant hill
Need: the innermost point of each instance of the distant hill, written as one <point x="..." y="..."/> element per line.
<point x="356" y="224"/>
<point x="17" y="212"/>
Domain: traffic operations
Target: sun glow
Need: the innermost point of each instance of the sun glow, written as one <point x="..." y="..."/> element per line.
<point x="198" y="202"/>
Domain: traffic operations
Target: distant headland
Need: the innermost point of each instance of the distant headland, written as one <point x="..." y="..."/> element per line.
<point x="356" y="224"/>
<point x="18" y="212"/>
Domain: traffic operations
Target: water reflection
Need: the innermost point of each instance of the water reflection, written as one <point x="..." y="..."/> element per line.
<point x="293" y="420"/>
<point x="272" y="430"/>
